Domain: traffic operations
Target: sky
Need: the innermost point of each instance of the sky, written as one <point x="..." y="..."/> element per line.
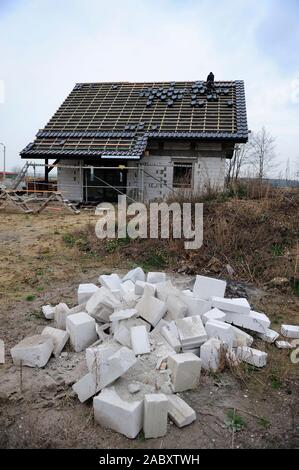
<point x="46" y="46"/>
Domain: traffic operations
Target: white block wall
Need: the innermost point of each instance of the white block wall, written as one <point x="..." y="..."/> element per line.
<point x="207" y="171"/>
<point x="70" y="180"/>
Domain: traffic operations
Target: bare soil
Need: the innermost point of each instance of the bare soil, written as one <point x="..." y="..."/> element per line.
<point x="38" y="409"/>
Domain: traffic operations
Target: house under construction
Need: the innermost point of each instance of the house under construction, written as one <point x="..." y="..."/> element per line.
<point x="142" y="138"/>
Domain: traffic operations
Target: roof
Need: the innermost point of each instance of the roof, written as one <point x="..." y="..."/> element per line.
<point x="115" y="120"/>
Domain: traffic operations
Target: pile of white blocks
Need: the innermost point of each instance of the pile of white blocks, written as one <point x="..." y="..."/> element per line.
<point x="136" y="323"/>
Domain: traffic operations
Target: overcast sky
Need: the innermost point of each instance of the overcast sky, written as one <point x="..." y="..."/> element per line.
<point x="46" y="46"/>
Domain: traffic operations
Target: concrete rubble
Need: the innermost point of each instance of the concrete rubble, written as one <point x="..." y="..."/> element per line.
<point x="2" y="352"/>
<point x="147" y="338"/>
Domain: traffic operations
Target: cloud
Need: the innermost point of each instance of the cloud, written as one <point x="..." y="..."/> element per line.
<point x="48" y="45"/>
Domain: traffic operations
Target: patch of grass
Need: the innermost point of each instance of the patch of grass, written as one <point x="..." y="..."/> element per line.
<point x="69" y="239"/>
<point x="235" y="422"/>
<point x="40" y="289"/>
<point x="264" y="423"/>
<point x="30" y="298"/>
<point x="113" y="245"/>
<point x="277" y="249"/>
<point x="275" y="381"/>
<point x="154" y="259"/>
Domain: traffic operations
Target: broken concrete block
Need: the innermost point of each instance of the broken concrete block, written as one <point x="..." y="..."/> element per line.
<point x="155" y="277"/>
<point x="185" y="371"/>
<point x="48" y="312"/>
<point x="239" y="305"/>
<point x="134" y="275"/>
<point x="214" y="314"/>
<point x="290" y="331"/>
<point x="171" y="336"/>
<point x="33" y="351"/>
<point x="176" y="307"/>
<point x="104" y="369"/>
<point x="121" y="329"/>
<point x="195" y="351"/>
<point x="255" y="321"/>
<point x="60" y="315"/>
<point x="82" y="330"/>
<point x="241" y="338"/>
<point x="2" y="352"/>
<point x="284" y="345"/>
<point x="155" y="415"/>
<point x="208" y="287"/>
<point x="134" y="388"/>
<point x="269" y="336"/>
<point x="127" y="293"/>
<point x="59" y="338"/>
<point x="78" y="309"/>
<point x="102" y="304"/>
<point x="85" y="291"/>
<point x="164" y="289"/>
<point x="252" y="356"/>
<point x="140" y="285"/>
<point x="195" y="305"/>
<point x="140" y="340"/>
<point x="220" y="330"/>
<point x="151" y="309"/>
<point x="125" y="417"/>
<point x="123" y="314"/>
<point x="180" y="412"/>
<point x="210" y="354"/>
<point x="111" y="281"/>
<point x="191" y="331"/>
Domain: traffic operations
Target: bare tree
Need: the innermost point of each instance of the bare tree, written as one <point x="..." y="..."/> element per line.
<point x="262" y="152"/>
<point x="238" y="160"/>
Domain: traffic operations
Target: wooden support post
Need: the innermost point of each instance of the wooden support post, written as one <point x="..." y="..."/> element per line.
<point x="46" y="170"/>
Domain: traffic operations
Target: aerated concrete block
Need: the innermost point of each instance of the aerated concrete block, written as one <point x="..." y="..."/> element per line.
<point x="239" y="305"/>
<point x="252" y="356"/>
<point x="140" y="285"/>
<point x="140" y="340"/>
<point x="151" y="309"/>
<point x="269" y="336"/>
<point x="191" y="331"/>
<point x="210" y="354"/>
<point x="102" y="304"/>
<point x="165" y="289"/>
<point x="134" y="275"/>
<point x="155" y="415"/>
<point x="33" y="351"/>
<point x="214" y="314"/>
<point x="176" y="307"/>
<point x="180" y="412"/>
<point x="110" y="411"/>
<point x="195" y="305"/>
<point x="208" y="287"/>
<point x="155" y="277"/>
<point x="171" y="337"/>
<point x="123" y="314"/>
<point x="2" y="352"/>
<point x="82" y="330"/>
<point x="284" y="345"/>
<point x="185" y="371"/>
<point x="111" y="281"/>
<point x="290" y="331"/>
<point x="241" y="338"/>
<point x="60" y="315"/>
<point x="103" y="371"/>
<point x="255" y="321"/>
<point x="85" y="291"/>
<point x="220" y="330"/>
<point x="59" y="338"/>
<point x="48" y="312"/>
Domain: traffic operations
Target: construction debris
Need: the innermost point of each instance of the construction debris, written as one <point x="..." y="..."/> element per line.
<point x="33" y="351"/>
<point x="290" y="331"/>
<point x="2" y="352"/>
<point x="146" y="340"/>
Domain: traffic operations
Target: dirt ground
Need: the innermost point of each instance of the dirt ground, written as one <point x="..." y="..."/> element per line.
<point x="37" y="406"/>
